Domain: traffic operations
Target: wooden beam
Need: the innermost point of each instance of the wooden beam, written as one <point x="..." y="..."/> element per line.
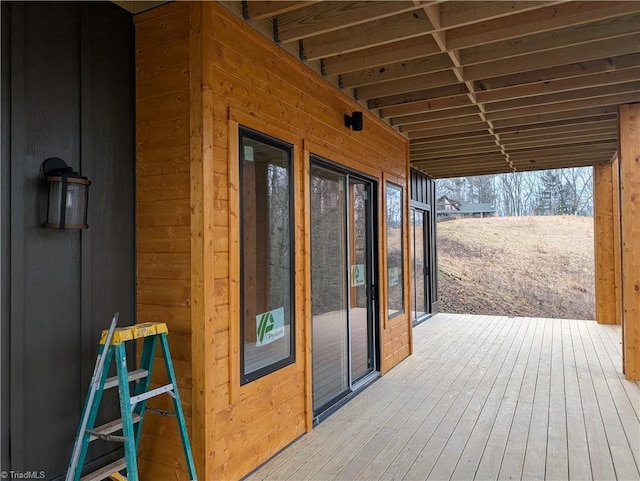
<point x="565" y="96"/>
<point x="578" y="117"/>
<point x="459" y="89"/>
<point x="604" y="218"/>
<point x="486" y="139"/>
<point x="419" y="82"/>
<point x="566" y="140"/>
<point x="325" y="17"/>
<point x="580" y="34"/>
<point x="571" y="106"/>
<point x="630" y="237"/>
<point x="487" y="146"/>
<point x="555" y="115"/>
<point x="537" y="21"/>
<point x="428" y="133"/>
<point x="435" y="124"/>
<point x="560" y="85"/>
<point x="606" y="48"/>
<point x="381" y="55"/>
<point x="456" y="14"/>
<point x="534" y="157"/>
<point x="439" y="115"/>
<point x="560" y="150"/>
<point x="396" y="70"/>
<point x="465" y="159"/>
<point x="425" y="106"/>
<point x="559" y="163"/>
<point x="259" y="10"/>
<point x="559" y="129"/>
<point x="370" y="34"/>
<point x="467" y="134"/>
<point x="571" y="70"/>
<point x="442" y="154"/>
<point x="578" y="132"/>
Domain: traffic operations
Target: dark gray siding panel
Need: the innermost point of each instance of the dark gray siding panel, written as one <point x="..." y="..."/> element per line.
<point x="423" y="196"/>
<point x="5" y="172"/>
<point x="72" y="97"/>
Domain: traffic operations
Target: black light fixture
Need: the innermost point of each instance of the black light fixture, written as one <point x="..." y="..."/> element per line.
<point x="354" y="121"/>
<point x="68" y="195"/>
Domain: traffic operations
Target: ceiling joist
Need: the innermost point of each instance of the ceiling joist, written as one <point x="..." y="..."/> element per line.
<point x="477" y="86"/>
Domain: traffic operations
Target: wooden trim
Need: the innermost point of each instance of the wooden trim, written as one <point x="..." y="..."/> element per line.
<point x="234" y="262"/>
<point x="198" y="336"/>
<point x="308" y="329"/>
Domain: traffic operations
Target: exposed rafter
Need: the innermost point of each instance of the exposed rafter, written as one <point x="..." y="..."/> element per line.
<point x="477" y="86"/>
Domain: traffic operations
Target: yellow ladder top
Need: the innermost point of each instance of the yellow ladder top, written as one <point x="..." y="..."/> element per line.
<point x="137" y="331"/>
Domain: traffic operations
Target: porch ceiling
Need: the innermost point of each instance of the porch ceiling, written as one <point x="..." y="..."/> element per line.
<point x="479" y="87"/>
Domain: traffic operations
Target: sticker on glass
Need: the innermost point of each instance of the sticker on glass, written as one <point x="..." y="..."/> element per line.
<point x="357" y="275"/>
<point x="269" y="326"/>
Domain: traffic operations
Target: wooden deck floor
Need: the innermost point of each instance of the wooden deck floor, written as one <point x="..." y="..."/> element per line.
<point x="484" y="398"/>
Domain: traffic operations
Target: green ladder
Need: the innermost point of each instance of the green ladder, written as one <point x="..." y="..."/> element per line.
<point x="132" y="408"/>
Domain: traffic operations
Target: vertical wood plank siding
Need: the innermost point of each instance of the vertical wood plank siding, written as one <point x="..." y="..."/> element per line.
<point x="202" y="72"/>
<point x="629" y="136"/>
<point x="163" y="217"/>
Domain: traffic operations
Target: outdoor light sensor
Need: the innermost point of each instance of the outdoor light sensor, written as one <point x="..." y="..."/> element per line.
<point x="68" y="196"/>
<point x="354" y="121"/>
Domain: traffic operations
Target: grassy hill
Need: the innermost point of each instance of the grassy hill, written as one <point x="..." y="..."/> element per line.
<point x="517" y="266"/>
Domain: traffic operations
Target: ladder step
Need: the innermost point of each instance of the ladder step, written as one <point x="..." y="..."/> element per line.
<point x="133" y="376"/>
<point x="105" y="472"/>
<point x="111" y="427"/>
<point x="149" y="394"/>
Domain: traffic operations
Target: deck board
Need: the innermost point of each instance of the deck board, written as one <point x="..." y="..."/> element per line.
<point x="483" y="398"/>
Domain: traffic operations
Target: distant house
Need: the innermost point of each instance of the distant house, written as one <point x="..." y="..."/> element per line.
<point x="448" y="209"/>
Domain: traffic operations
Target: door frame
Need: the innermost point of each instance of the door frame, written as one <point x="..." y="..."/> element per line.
<point x="373" y="280"/>
<point x="427" y="212"/>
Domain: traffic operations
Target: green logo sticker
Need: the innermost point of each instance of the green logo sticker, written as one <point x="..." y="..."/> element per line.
<point x="269" y="326"/>
<point x="265" y="325"/>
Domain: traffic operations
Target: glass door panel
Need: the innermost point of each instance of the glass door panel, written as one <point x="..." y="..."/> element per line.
<point x="359" y="311"/>
<point x="419" y="268"/>
<point x="329" y="301"/>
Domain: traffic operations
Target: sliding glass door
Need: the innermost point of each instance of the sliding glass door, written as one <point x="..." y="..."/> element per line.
<point x="419" y="221"/>
<point x="342" y="282"/>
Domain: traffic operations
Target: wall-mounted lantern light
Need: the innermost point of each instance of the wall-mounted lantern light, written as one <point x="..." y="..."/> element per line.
<point x="68" y="195"/>
<point x="354" y="121"/>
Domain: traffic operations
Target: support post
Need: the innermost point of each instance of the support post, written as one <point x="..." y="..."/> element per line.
<point x="606" y="236"/>
<point x="629" y="138"/>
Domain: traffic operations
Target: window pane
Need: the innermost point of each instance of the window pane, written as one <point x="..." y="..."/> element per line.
<point x="266" y="256"/>
<point x="395" y="284"/>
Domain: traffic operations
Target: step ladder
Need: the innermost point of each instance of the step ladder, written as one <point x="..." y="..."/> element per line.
<point x="132" y="407"/>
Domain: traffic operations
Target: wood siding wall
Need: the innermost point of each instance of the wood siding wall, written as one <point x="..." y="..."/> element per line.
<point x="163" y="220"/>
<point x="67" y="91"/>
<point x="202" y="72"/>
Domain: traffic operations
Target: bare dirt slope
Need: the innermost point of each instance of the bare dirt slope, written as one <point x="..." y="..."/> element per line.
<point x="517" y="266"/>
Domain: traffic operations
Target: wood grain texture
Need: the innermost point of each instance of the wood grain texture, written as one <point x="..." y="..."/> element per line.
<point x="163" y="219"/>
<point x="484" y="398"/>
<point x="198" y="84"/>
<point x="604" y="237"/>
<point x="629" y="159"/>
